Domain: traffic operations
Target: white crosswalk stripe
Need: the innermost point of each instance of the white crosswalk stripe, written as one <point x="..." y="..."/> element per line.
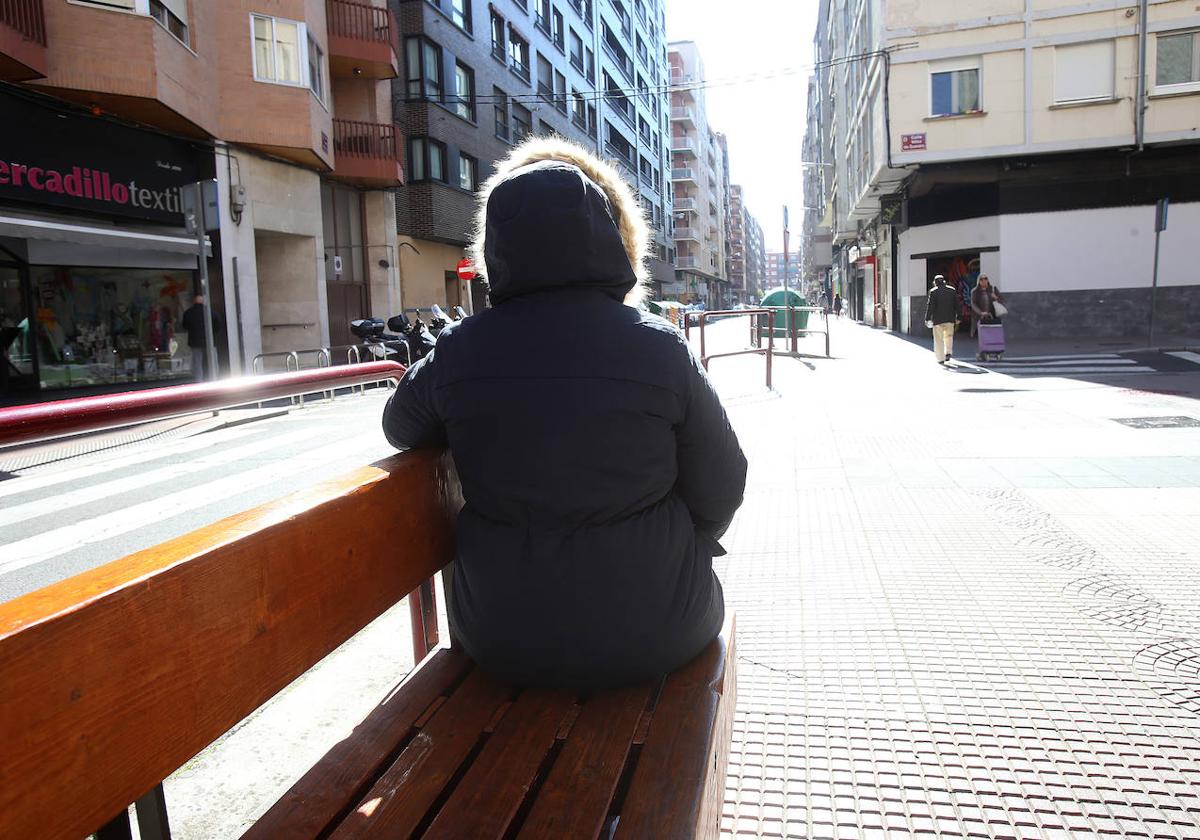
<point x="100" y="465"/>
<point x="45" y="546"/>
<point x="1086" y="364"/>
<point x="170" y="472"/>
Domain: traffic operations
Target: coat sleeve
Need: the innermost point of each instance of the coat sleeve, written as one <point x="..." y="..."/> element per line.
<point x="928" y="307"/>
<point x="712" y="468"/>
<point x="410" y="420"/>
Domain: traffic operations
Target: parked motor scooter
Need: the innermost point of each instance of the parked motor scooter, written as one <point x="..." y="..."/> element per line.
<point x="381" y="344"/>
<point x="459" y="313"/>
<point x="416" y="335"/>
<point x="438" y="320"/>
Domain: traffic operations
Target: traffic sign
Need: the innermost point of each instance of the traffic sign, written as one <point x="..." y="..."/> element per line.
<point x="466" y="271"/>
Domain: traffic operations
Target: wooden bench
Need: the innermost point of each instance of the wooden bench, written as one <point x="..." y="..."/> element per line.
<point x="111" y="680"/>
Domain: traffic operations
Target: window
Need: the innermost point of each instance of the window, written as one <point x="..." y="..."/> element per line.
<point x="557" y="20"/>
<point x="576" y="51"/>
<point x="316" y="69"/>
<point x="499" y="42"/>
<point x="591" y="122"/>
<point x="172" y="14"/>
<point x="954" y="92"/>
<point x="277" y="50"/>
<point x="437" y="160"/>
<point x="545" y="79"/>
<point x="416" y="159"/>
<point x="543" y="16"/>
<point x="589" y="63"/>
<point x="1084" y="72"/>
<point x="424" y="60"/>
<point x="560" y="92"/>
<point x="464" y="91"/>
<point x="518" y="53"/>
<point x="578" y="109"/>
<point x="468" y="172"/>
<point x="522" y="122"/>
<point x="1177" y="59"/>
<point x="458" y="11"/>
<point x="500" y="98"/>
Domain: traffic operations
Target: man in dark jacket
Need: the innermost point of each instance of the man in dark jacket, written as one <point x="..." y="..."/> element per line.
<point x="193" y="322"/>
<point x="941" y="314"/>
<point x="597" y="464"/>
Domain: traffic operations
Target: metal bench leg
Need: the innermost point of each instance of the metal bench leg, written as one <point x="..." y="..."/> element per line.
<point x="116" y="829"/>
<point x="152" y="815"/>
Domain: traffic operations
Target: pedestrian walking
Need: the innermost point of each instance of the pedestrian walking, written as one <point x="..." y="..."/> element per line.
<point x="193" y="322"/>
<point x="987" y="305"/>
<point x="941" y="315"/>
<point x="598" y="467"/>
<point x="837" y="305"/>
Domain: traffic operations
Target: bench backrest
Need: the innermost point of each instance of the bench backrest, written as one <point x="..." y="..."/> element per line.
<point x="111" y="680"/>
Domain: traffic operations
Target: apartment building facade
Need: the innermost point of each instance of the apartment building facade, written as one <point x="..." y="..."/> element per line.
<point x="699" y="181"/>
<point x="1028" y="142"/>
<point x="756" y="258"/>
<point x="746" y="255"/>
<point x="480" y="77"/>
<point x="779" y="265"/>
<point x="283" y="103"/>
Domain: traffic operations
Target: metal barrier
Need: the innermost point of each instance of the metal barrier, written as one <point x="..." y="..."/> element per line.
<point x="793" y="334"/>
<point x="45" y="421"/>
<point x="703" y="317"/>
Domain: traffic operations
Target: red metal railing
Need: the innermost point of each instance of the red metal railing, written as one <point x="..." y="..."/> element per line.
<point x="702" y="319"/>
<point x="25" y="16"/>
<point x="349" y="19"/>
<point x="46" y="421"/>
<point x="355" y="139"/>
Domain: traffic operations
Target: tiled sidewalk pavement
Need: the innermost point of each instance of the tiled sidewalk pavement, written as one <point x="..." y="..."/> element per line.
<point x="963" y="610"/>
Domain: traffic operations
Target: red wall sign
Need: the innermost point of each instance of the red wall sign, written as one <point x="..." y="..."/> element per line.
<point x="912" y="142"/>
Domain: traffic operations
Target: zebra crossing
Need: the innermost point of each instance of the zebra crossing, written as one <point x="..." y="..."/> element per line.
<point x="61" y="519"/>
<point x="1095" y="364"/>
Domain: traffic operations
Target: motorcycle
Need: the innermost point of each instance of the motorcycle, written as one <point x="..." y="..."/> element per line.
<point x="460" y="314"/>
<point x="380" y="344"/>
<point x="416" y="335"/>
<point x="438" y="320"/>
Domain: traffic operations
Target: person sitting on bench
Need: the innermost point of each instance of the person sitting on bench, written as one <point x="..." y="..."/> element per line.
<point x="598" y="467"/>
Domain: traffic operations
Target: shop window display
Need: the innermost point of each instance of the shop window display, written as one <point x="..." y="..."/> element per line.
<point x="97" y="326"/>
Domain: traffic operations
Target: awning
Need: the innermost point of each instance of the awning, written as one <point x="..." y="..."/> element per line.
<point x="56" y="230"/>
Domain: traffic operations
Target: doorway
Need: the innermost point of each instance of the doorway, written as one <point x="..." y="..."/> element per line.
<point x="961" y="271"/>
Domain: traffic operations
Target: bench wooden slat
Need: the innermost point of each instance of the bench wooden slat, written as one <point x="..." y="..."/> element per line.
<point x="486" y="800"/>
<point x="575" y="798"/>
<point x="111" y="680"/>
<point x="400" y="799"/>
<point x="678" y="787"/>
<point x="337" y="782"/>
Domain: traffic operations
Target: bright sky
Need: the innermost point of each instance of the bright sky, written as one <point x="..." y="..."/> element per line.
<point x="764" y="118"/>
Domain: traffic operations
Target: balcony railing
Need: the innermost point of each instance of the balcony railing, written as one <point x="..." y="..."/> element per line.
<point x="687" y="262"/>
<point x="683" y="113"/>
<point x="22" y="40"/>
<point x="683" y="175"/>
<point x="362" y="39"/>
<point x="687" y="233"/>
<point x="367" y="153"/>
<point x="25" y="16"/>
<point x="361" y="21"/>
<point x="683" y="144"/>
<point x="683" y="204"/>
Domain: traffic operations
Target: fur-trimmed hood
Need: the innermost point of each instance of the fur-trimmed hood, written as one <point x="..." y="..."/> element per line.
<point x="553" y="214"/>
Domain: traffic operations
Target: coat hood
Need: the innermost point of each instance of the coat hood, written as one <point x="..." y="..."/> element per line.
<point x="548" y="225"/>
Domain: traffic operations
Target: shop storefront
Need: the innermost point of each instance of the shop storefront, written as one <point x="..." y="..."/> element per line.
<point x="96" y="269"/>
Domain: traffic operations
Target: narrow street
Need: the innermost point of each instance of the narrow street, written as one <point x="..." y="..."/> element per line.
<point x="967" y="602"/>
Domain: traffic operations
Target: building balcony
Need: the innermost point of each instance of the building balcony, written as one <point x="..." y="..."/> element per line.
<point x="687" y="234"/>
<point x="684" y="204"/>
<point x="362" y="40"/>
<point x="367" y="154"/>
<point x="22" y="40"/>
<point x="683" y="145"/>
<point x="687" y="262"/>
<point x="684" y="114"/>
<point x="684" y="175"/>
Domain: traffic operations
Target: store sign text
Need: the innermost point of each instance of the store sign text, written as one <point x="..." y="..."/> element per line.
<point x="89" y="183"/>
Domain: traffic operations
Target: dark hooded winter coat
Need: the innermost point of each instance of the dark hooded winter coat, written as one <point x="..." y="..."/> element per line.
<point x="597" y="464"/>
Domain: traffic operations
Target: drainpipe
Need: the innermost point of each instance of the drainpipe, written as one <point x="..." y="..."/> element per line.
<point x="1139" y="112"/>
